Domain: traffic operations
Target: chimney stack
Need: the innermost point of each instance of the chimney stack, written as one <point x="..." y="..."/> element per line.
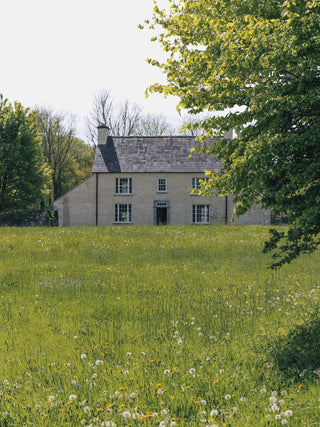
<point x="103" y="133"/>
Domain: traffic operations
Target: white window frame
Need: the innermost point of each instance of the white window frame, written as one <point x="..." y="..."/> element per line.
<point x="200" y="214"/>
<point x="123" y="183"/>
<point x="162" y="185"/>
<point x="196" y="184"/>
<point x="122" y="214"/>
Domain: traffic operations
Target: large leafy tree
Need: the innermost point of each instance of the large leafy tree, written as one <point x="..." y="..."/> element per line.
<point x="258" y="62"/>
<point x="23" y="175"/>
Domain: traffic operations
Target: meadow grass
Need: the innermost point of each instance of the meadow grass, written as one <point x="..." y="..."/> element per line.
<point x="156" y="326"/>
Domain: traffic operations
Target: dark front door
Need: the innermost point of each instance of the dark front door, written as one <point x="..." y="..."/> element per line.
<point x="162" y="216"/>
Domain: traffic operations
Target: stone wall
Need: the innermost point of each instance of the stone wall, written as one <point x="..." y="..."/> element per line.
<point x="29" y="218"/>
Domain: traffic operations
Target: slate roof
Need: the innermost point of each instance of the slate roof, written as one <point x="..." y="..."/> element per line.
<point x="152" y="154"/>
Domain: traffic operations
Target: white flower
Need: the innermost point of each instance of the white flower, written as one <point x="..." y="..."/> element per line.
<point x="126" y="414"/>
<point x="160" y="391"/>
<point x="83" y="356"/>
<point x="86" y="409"/>
<point x="203" y="402"/>
<point x="227" y="396"/>
<point x="277" y="417"/>
<point x="214" y="412"/>
<point x="51" y="398"/>
<point x="192" y="371"/>
<point x="99" y="362"/>
<point x="288" y="413"/>
<point x="274" y="408"/>
<point x="166" y="372"/>
<point x="128" y="354"/>
<point x="133" y="395"/>
<point x="283" y="422"/>
<point x="72" y="397"/>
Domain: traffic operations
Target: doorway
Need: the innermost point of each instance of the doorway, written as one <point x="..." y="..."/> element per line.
<point x="162" y="216"/>
<point x="161" y="212"/>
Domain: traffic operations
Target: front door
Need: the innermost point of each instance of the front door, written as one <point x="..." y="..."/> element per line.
<point x="161" y="212"/>
<point x="162" y="216"/>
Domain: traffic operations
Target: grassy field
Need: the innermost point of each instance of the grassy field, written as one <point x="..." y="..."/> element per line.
<point x="156" y="326"/>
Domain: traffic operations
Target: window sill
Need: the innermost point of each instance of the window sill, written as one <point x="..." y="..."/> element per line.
<point x="122" y="194"/>
<point x="122" y="223"/>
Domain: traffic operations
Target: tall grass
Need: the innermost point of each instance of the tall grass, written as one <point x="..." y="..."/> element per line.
<point x="155" y="326"/>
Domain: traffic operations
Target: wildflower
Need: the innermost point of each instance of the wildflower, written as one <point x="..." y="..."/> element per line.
<point x="284" y="421"/>
<point x="126" y="414"/>
<point x="72" y="397"/>
<point x="227" y="397"/>
<point x="99" y="362"/>
<point x="277" y="417"/>
<point x="288" y="413"/>
<point x="128" y="354"/>
<point x="203" y="402"/>
<point x="83" y="356"/>
<point x="214" y="412"/>
<point x="192" y="371"/>
<point x="166" y="372"/>
<point x="51" y="398"/>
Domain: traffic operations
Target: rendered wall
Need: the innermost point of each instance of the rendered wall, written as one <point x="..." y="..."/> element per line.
<point x="78" y="206"/>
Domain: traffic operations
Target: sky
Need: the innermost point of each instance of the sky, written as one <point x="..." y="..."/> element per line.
<point x="58" y="54"/>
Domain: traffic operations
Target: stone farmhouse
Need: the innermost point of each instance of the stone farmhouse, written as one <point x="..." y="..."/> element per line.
<point x="148" y="180"/>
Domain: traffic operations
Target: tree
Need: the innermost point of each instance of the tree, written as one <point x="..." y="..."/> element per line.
<point x="259" y="63"/>
<point x="58" y="141"/>
<point x="155" y="125"/>
<point x="23" y="175"/>
<point x="123" y="119"/>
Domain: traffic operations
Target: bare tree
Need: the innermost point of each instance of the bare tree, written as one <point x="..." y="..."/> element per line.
<point x="155" y="125"/>
<point x="189" y="125"/>
<point x="58" y="139"/>
<point x="102" y="113"/>
<point x="127" y="121"/>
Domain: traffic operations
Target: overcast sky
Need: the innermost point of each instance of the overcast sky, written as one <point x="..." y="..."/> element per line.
<point x="59" y="53"/>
